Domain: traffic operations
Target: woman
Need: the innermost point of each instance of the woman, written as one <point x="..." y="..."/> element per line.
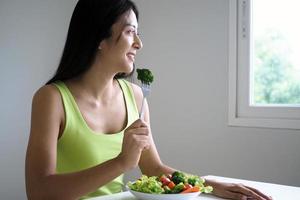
<point x="85" y="131"/>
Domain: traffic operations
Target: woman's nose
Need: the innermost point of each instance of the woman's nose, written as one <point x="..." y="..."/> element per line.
<point x="137" y="42"/>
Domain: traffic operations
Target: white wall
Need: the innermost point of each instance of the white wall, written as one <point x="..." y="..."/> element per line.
<point x="32" y="35"/>
<point x="185" y="44"/>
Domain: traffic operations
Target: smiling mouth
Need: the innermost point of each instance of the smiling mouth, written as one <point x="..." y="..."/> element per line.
<point x="131" y="56"/>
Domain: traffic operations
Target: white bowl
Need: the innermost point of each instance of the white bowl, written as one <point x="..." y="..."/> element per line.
<point x="147" y="196"/>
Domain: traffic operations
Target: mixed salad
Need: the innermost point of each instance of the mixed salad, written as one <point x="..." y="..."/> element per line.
<point x="175" y="183"/>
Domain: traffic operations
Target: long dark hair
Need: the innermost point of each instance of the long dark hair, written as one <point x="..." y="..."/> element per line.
<point x="91" y="23"/>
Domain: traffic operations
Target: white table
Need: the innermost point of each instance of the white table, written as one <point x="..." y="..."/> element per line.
<point x="278" y="192"/>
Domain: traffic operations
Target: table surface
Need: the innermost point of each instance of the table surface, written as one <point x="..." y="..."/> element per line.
<point x="278" y="192"/>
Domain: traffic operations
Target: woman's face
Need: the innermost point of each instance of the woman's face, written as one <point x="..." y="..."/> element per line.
<point x="120" y="49"/>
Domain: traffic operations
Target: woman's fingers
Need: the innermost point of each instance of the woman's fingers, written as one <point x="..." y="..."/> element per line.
<point x="259" y="192"/>
<point x="138" y="131"/>
<point x="237" y="191"/>
<point x="140" y="139"/>
<point x="136" y="124"/>
<point x="248" y="192"/>
<point x="243" y="190"/>
<point x="138" y="135"/>
<point x="136" y="139"/>
<point x="144" y="144"/>
<point x="234" y="195"/>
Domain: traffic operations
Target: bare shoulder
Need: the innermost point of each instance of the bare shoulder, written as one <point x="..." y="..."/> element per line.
<point x="137" y="93"/>
<point x="47" y="99"/>
<point x="46" y="91"/>
<point x="47" y="95"/>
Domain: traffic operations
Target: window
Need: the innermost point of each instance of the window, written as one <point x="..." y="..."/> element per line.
<point x="264" y="63"/>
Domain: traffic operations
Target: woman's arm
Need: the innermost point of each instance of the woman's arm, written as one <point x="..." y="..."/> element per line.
<point x="235" y="191"/>
<point x="42" y="182"/>
<point x="150" y="164"/>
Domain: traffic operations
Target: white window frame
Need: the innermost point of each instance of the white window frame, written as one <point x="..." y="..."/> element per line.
<point x="240" y="112"/>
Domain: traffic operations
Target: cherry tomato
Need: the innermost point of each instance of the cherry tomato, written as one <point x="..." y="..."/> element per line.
<point x="188" y="186"/>
<point x="162" y="177"/>
<point x="165" y="180"/>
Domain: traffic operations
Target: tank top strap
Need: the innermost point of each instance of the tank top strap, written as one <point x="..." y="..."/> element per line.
<point x="131" y="105"/>
<point x="69" y="104"/>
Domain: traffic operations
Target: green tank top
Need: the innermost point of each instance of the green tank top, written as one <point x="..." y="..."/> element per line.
<point x="79" y="147"/>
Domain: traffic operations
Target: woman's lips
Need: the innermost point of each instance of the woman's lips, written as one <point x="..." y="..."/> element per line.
<point x="131" y="56"/>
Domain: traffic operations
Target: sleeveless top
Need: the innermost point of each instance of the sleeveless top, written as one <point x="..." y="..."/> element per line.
<point x="80" y="148"/>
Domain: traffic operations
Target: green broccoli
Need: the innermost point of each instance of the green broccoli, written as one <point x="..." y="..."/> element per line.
<point x="167" y="190"/>
<point x="178" y="188"/>
<point x="195" y="180"/>
<point x="145" y="76"/>
<point x="178" y="177"/>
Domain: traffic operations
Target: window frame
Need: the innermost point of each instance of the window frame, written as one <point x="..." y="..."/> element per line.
<point x="241" y="112"/>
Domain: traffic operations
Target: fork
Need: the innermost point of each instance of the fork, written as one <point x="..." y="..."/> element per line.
<point x="146" y="91"/>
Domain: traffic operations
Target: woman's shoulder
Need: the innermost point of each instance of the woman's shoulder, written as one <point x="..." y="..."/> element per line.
<point x="47" y="97"/>
<point x="49" y="92"/>
<point x="136" y="88"/>
<point x="137" y="91"/>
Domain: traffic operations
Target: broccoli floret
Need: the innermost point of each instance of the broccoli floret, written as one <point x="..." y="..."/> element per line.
<point x="194" y="180"/>
<point x="178" y="188"/>
<point x="178" y="177"/>
<point x="145" y="76"/>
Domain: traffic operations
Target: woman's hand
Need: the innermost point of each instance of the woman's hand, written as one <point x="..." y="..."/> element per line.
<point x="136" y="139"/>
<point x="236" y="191"/>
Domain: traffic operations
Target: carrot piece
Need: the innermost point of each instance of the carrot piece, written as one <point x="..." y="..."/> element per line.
<point x="171" y="185"/>
<point x="192" y="189"/>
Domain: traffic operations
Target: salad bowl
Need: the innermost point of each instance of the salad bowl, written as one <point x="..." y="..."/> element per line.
<point x="175" y="186"/>
<point x="180" y="196"/>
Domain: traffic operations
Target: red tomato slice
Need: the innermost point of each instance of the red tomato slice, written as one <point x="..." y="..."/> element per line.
<point x="165" y="180"/>
<point x="187" y="186"/>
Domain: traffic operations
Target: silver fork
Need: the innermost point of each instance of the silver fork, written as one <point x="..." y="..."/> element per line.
<point x="146" y="91"/>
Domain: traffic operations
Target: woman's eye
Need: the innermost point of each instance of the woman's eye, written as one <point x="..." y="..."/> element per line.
<point x="131" y="31"/>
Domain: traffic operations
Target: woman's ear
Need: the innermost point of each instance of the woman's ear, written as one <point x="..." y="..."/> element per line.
<point x="101" y="45"/>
